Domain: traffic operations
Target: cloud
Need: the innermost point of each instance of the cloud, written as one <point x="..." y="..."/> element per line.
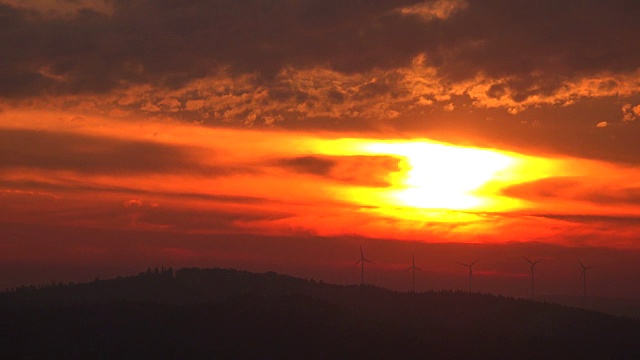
<point x="630" y="112"/>
<point x="194" y="220"/>
<point x="440" y="9"/>
<point x="113" y="212"/>
<point x="309" y="165"/>
<point x="613" y="196"/>
<point x="50" y="188"/>
<point x="575" y="188"/>
<point x="60" y="8"/>
<point x="167" y="43"/>
<point x="595" y="219"/>
<point x="530" y="49"/>
<point x="351" y="65"/>
<point x="355" y="170"/>
<point x="30" y="149"/>
<point x="555" y="187"/>
<point x="133" y="203"/>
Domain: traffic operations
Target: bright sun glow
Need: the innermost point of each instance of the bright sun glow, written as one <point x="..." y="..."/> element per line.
<point x="442" y="176"/>
<point x="436" y="176"/>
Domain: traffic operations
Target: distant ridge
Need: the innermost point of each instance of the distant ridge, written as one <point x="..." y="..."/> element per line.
<point x="195" y="313"/>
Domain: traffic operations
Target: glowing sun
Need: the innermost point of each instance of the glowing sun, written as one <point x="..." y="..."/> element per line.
<point x="439" y="176"/>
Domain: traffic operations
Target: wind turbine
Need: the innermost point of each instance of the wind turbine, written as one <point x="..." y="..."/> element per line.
<point x="470" y="266"/>
<point x="362" y="261"/>
<point x="533" y="267"/>
<point x="583" y="275"/>
<point x="413" y="269"/>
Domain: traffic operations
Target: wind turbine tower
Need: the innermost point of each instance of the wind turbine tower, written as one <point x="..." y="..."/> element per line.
<point x="413" y="269"/>
<point x="584" y="279"/>
<point x="362" y="261"/>
<point x="470" y="266"/>
<point x="533" y="267"/>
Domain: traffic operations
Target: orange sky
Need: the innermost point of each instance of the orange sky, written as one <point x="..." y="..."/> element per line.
<point x="66" y="169"/>
<point x="437" y="122"/>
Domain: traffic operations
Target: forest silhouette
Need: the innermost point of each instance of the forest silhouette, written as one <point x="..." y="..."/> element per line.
<point x="226" y="313"/>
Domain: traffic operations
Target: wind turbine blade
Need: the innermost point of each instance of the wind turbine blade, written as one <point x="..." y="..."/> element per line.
<point x="358" y="262"/>
<point x="581" y="264"/>
<point x="417" y="268"/>
<point x="361" y="253"/>
<point x="369" y="261"/>
<point x="475" y="261"/>
<point x="529" y="261"/>
<point x="463" y="264"/>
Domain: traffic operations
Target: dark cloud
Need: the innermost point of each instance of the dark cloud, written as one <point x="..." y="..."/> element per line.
<point x="315" y="165"/>
<point x="169" y="43"/>
<point x="539" y="44"/>
<point x="612" y="221"/>
<point x="535" y="45"/>
<point x="98" y="155"/>
<point x="574" y="188"/>
<point x="555" y="187"/>
<point x="624" y="195"/>
<point x="115" y="213"/>
<point x="177" y="218"/>
<point x="356" y="170"/>
<point x="50" y="188"/>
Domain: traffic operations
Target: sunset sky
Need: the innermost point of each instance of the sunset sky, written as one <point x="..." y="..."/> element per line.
<point x="282" y="135"/>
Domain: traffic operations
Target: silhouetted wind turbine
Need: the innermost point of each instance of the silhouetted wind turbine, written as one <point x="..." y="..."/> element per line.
<point x="470" y="266"/>
<point x="362" y="261"/>
<point x="584" y="278"/>
<point x="413" y="269"/>
<point x="533" y="267"/>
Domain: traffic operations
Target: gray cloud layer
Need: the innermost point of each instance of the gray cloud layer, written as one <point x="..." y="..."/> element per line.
<point x="534" y="45"/>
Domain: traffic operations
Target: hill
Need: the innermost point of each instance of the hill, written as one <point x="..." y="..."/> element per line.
<point x="224" y="313"/>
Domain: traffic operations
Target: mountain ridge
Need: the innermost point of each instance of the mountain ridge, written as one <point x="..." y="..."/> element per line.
<point x="281" y="312"/>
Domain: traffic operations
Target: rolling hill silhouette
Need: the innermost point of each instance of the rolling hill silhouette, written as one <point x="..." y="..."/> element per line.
<point x="224" y="313"/>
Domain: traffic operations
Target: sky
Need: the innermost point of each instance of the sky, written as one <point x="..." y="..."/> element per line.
<point x="283" y="135"/>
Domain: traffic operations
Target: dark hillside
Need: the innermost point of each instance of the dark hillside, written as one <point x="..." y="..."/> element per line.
<point x="223" y="313"/>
